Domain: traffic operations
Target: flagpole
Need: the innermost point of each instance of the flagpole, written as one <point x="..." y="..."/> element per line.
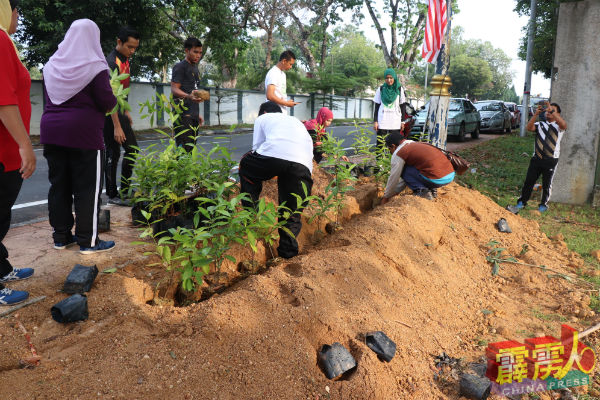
<point x="439" y="100"/>
<point x="426" y="75"/>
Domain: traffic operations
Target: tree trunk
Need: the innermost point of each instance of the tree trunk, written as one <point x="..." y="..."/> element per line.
<point x="386" y="53"/>
<point x="269" y="48"/>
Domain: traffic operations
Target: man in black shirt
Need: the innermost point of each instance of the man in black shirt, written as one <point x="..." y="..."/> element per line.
<point x="117" y="127"/>
<point x="185" y="80"/>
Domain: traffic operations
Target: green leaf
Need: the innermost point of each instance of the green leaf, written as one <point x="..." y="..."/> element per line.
<point x="495" y="269"/>
<point x="109" y="270"/>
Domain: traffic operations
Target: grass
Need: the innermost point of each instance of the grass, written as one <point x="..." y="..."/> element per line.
<point x="500" y="166"/>
<point x="547" y="317"/>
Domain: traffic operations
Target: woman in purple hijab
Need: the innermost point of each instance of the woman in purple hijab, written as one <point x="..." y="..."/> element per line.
<point x="78" y="95"/>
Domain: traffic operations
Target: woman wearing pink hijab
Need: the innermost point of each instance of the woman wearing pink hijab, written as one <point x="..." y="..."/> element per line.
<point x="316" y="129"/>
<point x="78" y="95"/>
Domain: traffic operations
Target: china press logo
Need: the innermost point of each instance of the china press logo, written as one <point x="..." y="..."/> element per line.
<point x="539" y="364"/>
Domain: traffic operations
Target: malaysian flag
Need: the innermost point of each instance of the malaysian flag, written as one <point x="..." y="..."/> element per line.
<point x="435" y="30"/>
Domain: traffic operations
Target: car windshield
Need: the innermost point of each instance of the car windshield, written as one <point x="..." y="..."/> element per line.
<point x="488" y="106"/>
<point x="455" y="106"/>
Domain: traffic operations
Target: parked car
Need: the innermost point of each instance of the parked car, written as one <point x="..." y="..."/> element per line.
<point x="529" y="111"/>
<point x="515" y="114"/>
<point x="494" y="116"/>
<point x="463" y="118"/>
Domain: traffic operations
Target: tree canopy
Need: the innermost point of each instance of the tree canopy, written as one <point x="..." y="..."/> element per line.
<point x="546" y="21"/>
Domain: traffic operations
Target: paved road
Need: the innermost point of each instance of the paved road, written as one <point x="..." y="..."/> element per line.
<point x="32" y="205"/>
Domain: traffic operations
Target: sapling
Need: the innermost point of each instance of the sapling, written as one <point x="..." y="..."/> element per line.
<point x="362" y="144"/>
<point x="119" y="91"/>
<point x="384" y="162"/>
<point x="342" y="173"/>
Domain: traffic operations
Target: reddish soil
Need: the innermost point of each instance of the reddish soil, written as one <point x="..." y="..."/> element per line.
<point x="415" y="269"/>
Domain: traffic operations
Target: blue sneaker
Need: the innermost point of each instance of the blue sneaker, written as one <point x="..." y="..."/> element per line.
<point x="62" y="246"/>
<point x="103" y="245"/>
<point x="17" y="274"/>
<point x="519" y="205"/>
<point x="8" y="297"/>
<point x="542" y="208"/>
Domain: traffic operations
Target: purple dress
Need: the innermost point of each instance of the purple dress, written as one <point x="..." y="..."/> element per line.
<point x="78" y="122"/>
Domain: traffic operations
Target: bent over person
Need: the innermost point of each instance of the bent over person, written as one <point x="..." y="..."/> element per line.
<point x="281" y="147"/>
<point x="420" y="166"/>
<point x="545" y="155"/>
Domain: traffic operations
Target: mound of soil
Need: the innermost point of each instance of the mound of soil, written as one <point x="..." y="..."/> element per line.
<point x="415" y="269"/>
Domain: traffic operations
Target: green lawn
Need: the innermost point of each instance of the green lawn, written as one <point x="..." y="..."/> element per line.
<point x="499" y="167"/>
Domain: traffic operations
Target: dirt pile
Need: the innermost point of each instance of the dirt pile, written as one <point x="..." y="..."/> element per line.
<point x="415" y="269"/>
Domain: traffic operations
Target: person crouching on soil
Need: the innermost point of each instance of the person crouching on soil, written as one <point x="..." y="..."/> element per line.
<point x="281" y="147"/>
<point x="420" y="166"/>
<point x="545" y="154"/>
<point x="316" y="129"/>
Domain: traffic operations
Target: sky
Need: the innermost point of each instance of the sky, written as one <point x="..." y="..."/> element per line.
<point x="496" y="22"/>
<point x="493" y="21"/>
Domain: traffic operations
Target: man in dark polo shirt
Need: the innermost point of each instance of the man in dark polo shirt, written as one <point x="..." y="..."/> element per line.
<point x="185" y="79"/>
<point x="117" y="127"/>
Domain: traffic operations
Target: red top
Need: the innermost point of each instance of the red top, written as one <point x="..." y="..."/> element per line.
<point x="14" y="90"/>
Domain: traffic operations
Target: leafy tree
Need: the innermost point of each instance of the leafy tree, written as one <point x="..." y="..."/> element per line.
<point x="406" y="30"/>
<point x="268" y="17"/>
<point x="546" y="22"/>
<point x="326" y="13"/>
<point x="470" y="76"/>
<point x="227" y="38"/>
<point x="44" y="24"/>
<point x="511" y="95"/>
<point x="497" y="61"/>
<point x="357" y="58"/>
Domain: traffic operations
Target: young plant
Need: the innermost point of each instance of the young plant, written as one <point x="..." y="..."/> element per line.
<point x="342" y="173"/>
<point x="362" y="144"/>
<point x="225" y="221"/>
<point x="266" y="220"/>
<point x="179" y="252"/>
<point x="119" y="91"/>
<point x="496" y="257"/>
<point x="158" y="106"/>
<point x="384" y="162"/>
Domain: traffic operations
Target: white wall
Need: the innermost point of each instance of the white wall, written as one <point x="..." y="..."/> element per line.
<point x="251" y="101"/>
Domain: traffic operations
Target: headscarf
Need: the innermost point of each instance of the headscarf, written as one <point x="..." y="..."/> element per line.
<point x="318" y="124"/>
<point x="6" y="18"/>
<point x="390" y="92"/>
<point x="77" y="61"/>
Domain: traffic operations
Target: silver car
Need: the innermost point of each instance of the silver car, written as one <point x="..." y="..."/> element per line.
<point x="494" y="116"/>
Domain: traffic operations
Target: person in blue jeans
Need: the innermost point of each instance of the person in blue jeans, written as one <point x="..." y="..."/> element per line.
<point x="420" y="166"/>
<point x="17" y="160"/>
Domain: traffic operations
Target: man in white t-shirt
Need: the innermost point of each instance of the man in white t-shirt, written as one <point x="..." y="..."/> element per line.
<point x="281" y="147"/>
<point x="276" y="82"/>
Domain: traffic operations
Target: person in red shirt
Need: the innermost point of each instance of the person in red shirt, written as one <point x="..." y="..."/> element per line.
<point x="17" y="160"/>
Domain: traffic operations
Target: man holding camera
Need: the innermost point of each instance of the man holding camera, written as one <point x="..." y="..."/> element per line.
<point x="545" y="156"/>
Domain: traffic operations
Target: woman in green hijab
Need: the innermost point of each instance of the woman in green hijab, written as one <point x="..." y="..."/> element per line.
<point x="387" y="117"/>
